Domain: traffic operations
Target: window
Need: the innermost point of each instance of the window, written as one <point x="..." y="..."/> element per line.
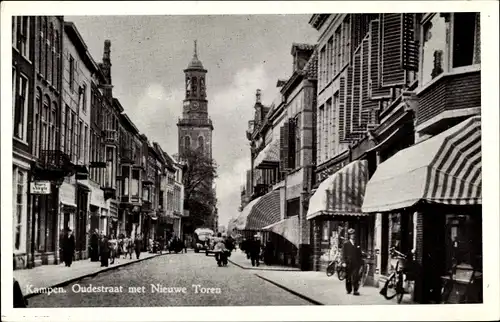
<point x="19" y="205"/>
<point x="338" y="50"/>
<point x="53" y="125"/>
<point x="46" y="50"/>
<point x="346" y="41"/>
<point x="14" y="32"/>
<point x="71" y="137"/>
<point x="297" y="141"/>
<point x="329" y="60"/>
<point x="187" y="142"/>
<point x="85" y="147"/>
<point x="84" y="98"/>
<point x="36" y="124"/>
<point x="134" y="190"/>
<point x="50" y="53"/>
<point x="449" y="41"/>
<point x="57" y="44"/>
<point x="40" y="44"/>
<point x="80" y="140"/>
<point x="466" y="39"/>
<point x="24" y="46"/>
<point x="21" y="109"/>
<point x="322" y="71"/>
<point x="14" y="96"/>
<point x="68" y="133"/>
<point x="71" y="73"/>
<point x="201" y="144"/>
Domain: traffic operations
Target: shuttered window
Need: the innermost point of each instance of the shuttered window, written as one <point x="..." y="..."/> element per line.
<point x="392" y="42"/>
<point x="368" y="106"/>
<point x="356" y="93"/>
<point x="284" y="147"/>
<point x="376" y="91"/>
<point x="342" y="109"/>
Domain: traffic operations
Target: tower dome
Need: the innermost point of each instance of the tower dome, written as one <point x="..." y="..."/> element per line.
<point x="195" y="62"/>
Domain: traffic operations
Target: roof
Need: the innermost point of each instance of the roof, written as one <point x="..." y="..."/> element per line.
<point x="82" y="49"/>
<point x="302" y="46"/>
<point x="311" y="67"/>
<point x="128" y="122"/>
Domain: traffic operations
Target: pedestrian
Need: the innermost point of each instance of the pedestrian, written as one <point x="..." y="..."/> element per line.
<point x="137" y="246"/>
<point x="254" y="249"/>
<point x="113" y="248"/>
<point x="269" y="252"/>
<point x="353" y="261"/>
<point x="185" y="242"/>
<point x="130" y="247"/>
<point x="68" y="247"/>
<point x="94" y="246"/>
<point x="104" y="250"/>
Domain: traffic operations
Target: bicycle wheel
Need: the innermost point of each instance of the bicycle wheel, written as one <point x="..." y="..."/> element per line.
<point x="400" y="290"/>
<point x="390" y="286"/>
<point x="364" y="274"/>
<point x="330" y="269"/>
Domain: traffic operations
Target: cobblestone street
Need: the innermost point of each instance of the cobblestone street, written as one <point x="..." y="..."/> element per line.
<point x="229" y="285"/>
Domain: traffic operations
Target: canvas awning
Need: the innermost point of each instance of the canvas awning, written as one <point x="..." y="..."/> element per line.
<point x="269" y="157"/>
<point x="341" y="193"/>
<point x="260" y="212"/>
<point x="444" y="169"/>
<point x="287" y="228"/>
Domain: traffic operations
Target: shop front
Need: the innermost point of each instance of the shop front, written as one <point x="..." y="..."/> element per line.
<point x="258" y="216"/>
<point x="334" y="208"/>
<point x="429" y="199"/>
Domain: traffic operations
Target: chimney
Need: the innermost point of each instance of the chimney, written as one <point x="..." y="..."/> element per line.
<point x="106" y="66"/>
<point x="257" y="96"/>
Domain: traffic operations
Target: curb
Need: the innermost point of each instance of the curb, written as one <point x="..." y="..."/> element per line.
<point x="93" y="274"/>
<point x="302" y="296"/>
<point x="262" y="269"/>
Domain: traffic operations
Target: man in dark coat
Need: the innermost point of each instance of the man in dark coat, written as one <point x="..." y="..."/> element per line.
<point x="269" y="253"/>
<point x="94" y="246"/>
<point x="137" y="246"/>
<point x="104" y="249"/>
<point x="68" y="247"/>
<point x="254" y="246"/>
<point x="353" y="260"/>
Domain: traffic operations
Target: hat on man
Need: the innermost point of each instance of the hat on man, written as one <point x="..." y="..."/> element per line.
<point x="351" y="231"/>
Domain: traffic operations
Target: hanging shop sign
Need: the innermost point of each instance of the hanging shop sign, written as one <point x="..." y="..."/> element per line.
<point x="40" y="187"/>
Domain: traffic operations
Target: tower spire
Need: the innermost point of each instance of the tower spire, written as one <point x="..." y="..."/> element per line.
<point x="195" y="50"/>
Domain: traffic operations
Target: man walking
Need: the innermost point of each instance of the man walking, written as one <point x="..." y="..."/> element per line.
<point x="353" y="260"/>
<point x="138" y="245"/>
<point x="255" y="251"/>
<point x="68" y="247"/>
<point x="94" y="246"/>
<point x="104" y="250"/>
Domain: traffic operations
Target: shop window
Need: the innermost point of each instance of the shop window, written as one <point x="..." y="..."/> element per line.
<point x="19" y="205"/>
<point x="463" y="241"/>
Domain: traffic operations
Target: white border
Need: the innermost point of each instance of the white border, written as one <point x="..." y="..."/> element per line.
<point x="489" y="27"/>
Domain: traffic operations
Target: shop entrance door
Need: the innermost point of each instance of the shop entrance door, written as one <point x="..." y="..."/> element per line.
<point x="434" y="254"/>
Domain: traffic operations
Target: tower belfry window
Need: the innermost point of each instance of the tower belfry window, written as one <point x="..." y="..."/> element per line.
<point x="187" y="142"/>
<point x="201" y="143"/>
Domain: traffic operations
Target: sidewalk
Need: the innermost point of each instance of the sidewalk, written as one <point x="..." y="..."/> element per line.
<point x="59" y="275"/>
<point x="320" y="289"/>
<point x="239" y="259"/>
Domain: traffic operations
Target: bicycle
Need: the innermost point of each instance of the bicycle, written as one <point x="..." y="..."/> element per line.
<point x="336" y="266"/>
<point x="398" y="284"/>
<point x="365" y="268"/>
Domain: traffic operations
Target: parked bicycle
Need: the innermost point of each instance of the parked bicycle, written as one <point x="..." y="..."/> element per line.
<point x="365" y="268"/>
<point x="399" y="282"/>
<point x="337" y="265"/>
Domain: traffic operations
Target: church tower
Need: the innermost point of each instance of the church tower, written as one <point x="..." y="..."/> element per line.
<point x="195" y="127"/>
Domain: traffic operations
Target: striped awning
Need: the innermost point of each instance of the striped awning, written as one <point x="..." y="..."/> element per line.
<point x="269" y="157"/>
<point x="261" y="212"/>
<point x="444" y="169"/>
<point x="287" y="228"/>
<point x="342" y="193"/>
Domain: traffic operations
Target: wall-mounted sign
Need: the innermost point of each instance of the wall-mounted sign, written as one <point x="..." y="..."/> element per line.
<point x="40" y="187"/>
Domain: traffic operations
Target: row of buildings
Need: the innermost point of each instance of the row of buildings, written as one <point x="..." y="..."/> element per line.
<point x="79" y="162"/>
<point x="377" y="129"/>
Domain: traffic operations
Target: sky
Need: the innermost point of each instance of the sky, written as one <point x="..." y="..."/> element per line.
<point x="242" y="53"/>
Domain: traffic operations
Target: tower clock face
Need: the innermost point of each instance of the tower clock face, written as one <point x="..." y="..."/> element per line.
<point x="195" y="105"/>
